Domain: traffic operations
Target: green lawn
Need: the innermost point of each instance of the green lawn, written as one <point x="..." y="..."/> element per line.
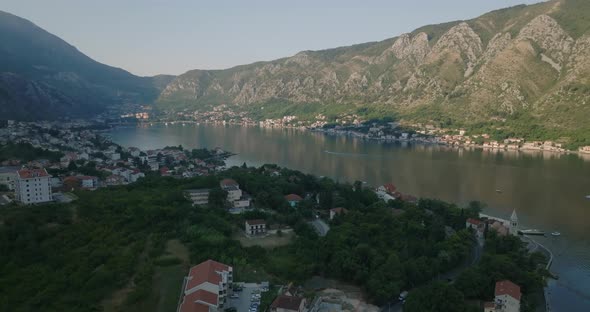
<point x="167" y="284"/>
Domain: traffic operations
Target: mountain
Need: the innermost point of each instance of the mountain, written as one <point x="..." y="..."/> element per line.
<point x="42" y="76"/>
<point x="523" y="70"/>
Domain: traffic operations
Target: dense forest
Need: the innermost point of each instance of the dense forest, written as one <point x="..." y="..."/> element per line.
<point x="114" y="242"/>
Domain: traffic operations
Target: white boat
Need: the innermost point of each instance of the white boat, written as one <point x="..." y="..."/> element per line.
<point x="555" y="233"/>
<point x="531" y="232"/>
<point x="587" y="196"/>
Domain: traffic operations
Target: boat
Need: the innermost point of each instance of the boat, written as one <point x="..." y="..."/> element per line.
<point x="531" y="232"/>
<point x="498" y="191"/>
<point x="587" y="196"/>
<point x="555" y="233"/>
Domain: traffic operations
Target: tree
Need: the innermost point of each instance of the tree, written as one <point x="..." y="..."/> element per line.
<point x="437" y="296"/>
<point x="217" y="198"/>
<point x="72" y="166"/>
<point x="474" y="208"/>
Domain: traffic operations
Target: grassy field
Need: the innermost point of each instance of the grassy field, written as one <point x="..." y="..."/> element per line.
<point x="167" y="287"/>
<point x="270" y="241"/>
<point x="167" y="283"/>
<point x="168" y="279"/>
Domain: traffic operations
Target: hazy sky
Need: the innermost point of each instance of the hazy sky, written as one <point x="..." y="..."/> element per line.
<point x="148" y="37"/>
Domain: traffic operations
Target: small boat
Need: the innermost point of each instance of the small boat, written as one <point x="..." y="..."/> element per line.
<point x="498" y="191"/>
<point x="587" y="196"/>
<point x="555" y="233"/>
<point x="531" y="232"/>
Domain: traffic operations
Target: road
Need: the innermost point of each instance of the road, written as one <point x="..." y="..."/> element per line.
<point x="320" y="227"/>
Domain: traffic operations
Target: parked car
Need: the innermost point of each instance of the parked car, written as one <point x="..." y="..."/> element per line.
<point x="403" y="295"/>
<point x="235" y="296"/>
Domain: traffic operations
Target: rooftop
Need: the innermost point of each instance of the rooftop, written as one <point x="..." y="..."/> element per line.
<point x="228" y="182"/>
<point x="507" y="287"/>
<point x="9" y="169"/>
<point x="32" y="173"/>
<point x="287" y="302"/>
<point x="197" y="191"/>
<point x="474" y="221"/>
<point x="293" y="197"/>
<point x="207" y="271"/>
<point x="256" y="222"/>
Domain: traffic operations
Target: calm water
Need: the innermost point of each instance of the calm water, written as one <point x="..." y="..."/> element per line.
<point x="547" y="190"/>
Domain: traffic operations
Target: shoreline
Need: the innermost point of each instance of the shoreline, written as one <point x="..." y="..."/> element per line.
<point x="422" y="141"/>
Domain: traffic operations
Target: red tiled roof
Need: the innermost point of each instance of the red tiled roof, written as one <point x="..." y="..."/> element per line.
<point x="70" y="179"/>
<point x="203" y="296"/>
<point x="474" y="221"/>
<point x="293" y="197"/>
<point x="339" y="210"/>
<point x="389" y="187"/>
<point x="256" y="222"/>
<point x="287" y="303"/>
<point x="32" y="173"/>
<point x="205" y="272"/>
<point x="193" y="307"/>
<point x="507" y="287"/>
<point x="228" y="182"/>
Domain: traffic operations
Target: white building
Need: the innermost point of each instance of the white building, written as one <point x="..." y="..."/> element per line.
<point x="89" y="182"/>
<point x="514" y="223"/>
<point x="232" y="188"/>
<point x="198" y="197"/>
<point x="507" y="297"/>
<point x="255" y="227"/>
<point x="33" y="186"/>
<point x="135" y="175"/>
<point x="8" y="176"/>
<point x="243" y="202"/>
<point x="384" y="196"/>
<point x="207" y="287"/>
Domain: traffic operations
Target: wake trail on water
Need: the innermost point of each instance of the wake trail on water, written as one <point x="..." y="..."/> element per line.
<point x="345" y="154"/>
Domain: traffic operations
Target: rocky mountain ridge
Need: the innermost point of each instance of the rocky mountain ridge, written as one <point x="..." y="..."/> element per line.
<point x="521" y="62"/>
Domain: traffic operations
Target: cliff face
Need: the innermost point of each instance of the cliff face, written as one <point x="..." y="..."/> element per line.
<point x="508" y="62"/>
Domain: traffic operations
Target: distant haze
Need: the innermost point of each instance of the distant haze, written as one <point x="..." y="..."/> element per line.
<point x="149" y="37"/>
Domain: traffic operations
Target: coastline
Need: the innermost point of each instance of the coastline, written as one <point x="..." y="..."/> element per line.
<point x="425" y="140"/>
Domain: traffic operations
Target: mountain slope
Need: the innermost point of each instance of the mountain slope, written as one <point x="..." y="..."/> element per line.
<point x="514" y="69"/>
<point x="42" y="76"/>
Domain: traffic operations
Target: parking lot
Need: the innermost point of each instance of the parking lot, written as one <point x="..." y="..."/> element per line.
<point x="242" y="303"/>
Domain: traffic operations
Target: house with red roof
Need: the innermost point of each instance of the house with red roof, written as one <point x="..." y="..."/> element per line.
<point x="33" y="186"/>
<point x="507" y="297"/>
<point x="387" y="188"/>
<point x="165" y="172"/>
<point x="336" y="211"/>
<point x="206" y="287"/>
<point x="293" y="199"/>
<point x="477" y="225"/>
<point x="228" y="183"/>
<point x="285" y="303"/>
